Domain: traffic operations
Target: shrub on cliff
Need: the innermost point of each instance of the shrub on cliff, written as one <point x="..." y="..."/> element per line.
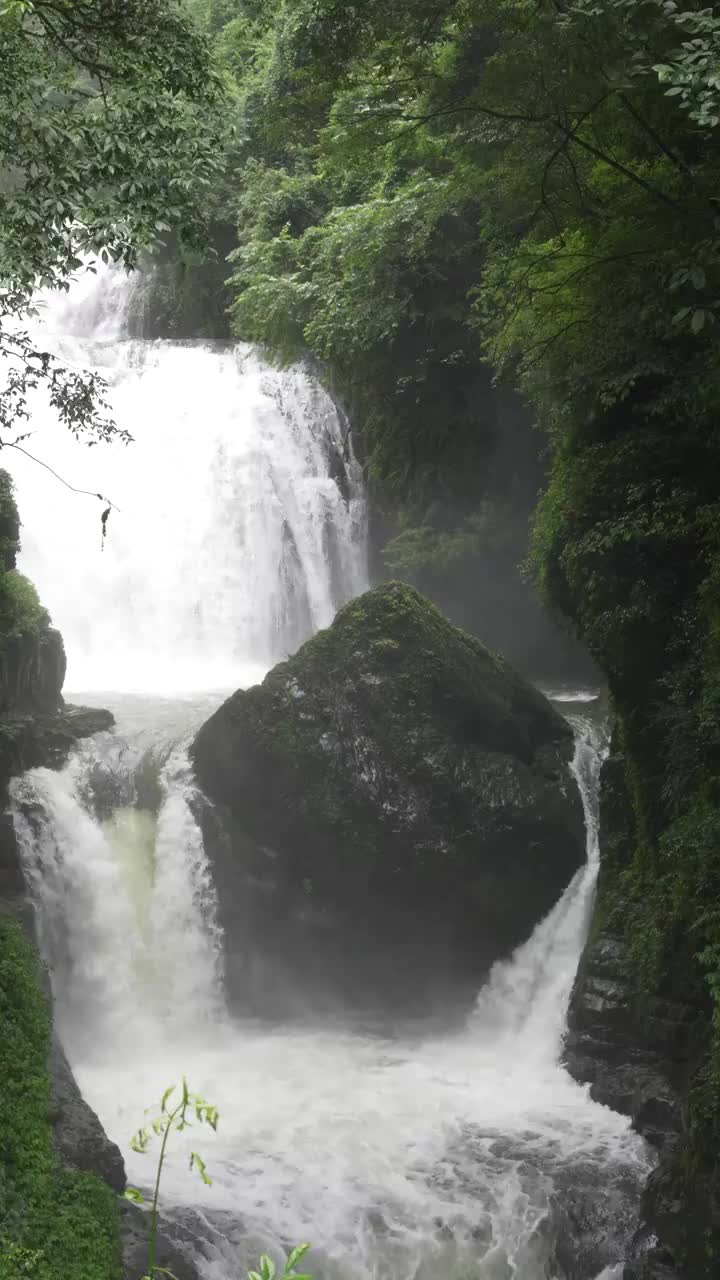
<point x="22" y="617"/>
<point x="109" y="128"/>
<point x="65" y="1223"/>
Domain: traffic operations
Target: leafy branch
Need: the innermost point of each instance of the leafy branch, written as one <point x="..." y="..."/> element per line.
<point x="173" y="1118"/>
<point x="176" y="1115"/>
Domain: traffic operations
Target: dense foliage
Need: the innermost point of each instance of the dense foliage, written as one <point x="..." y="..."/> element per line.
<point x="22" y="617"/>
<point x="434" y="194"/>
<point x="109" y="133"/>
<point x="52" y="1223"/>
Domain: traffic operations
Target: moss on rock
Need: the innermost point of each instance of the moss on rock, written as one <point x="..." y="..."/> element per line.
<point x="401" y="795"/>
<point x="53" y="1223"/>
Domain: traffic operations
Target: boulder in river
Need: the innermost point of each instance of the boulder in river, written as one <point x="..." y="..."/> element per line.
<point x="390" y="812"/>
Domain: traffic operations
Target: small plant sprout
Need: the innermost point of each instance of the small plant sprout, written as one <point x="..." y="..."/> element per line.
<point x="268" y="1271"/>
<point x="176" y="1114"/>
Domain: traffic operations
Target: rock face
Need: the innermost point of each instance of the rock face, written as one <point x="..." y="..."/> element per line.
<point x="32" y="672"/>
<point x="640" y="1052"/>
<point x="80" y="1138"/>
<point x="391" y="811"/>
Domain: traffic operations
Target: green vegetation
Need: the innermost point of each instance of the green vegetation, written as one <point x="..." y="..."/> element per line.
<point x="424" y="191"/>
<point x="431" y="195"/>
<point x="427" y="198"/>
<point x="176" y="1114"/>
<point x="9" y="523"/>
<point x="109" y="136"/>
<point x="22" y="617"/>
<point x="52" y="1223"/>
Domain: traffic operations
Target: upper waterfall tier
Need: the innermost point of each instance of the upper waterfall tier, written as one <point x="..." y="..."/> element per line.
<point x="241" y="524"/>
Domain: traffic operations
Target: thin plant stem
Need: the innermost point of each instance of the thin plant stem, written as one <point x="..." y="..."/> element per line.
<point x="156" y="1196"/>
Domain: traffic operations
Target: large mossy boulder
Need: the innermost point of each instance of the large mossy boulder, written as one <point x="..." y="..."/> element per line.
<point x="391" y="811"/>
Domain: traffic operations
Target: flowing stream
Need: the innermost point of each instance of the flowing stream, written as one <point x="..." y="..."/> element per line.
<point x="409" y="1152"/>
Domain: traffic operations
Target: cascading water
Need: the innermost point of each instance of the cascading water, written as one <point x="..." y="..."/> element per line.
<point x="241" y="526"/>
<point x="417" y="1154"/>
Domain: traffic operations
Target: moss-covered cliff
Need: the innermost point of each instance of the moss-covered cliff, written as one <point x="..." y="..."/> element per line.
<point x="627" y="545"/>
<point x="54" y="1222"/>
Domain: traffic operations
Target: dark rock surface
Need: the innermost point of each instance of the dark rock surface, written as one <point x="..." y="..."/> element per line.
<point x="634" y="1050"/>
<point x="174" y="1246"/>
<point x="79" y="1136"/>
<point x="638" y="1050"/>
<point x="32" y="672"/>
<point x="31" y="741"/>
<point x="391" y="811"/>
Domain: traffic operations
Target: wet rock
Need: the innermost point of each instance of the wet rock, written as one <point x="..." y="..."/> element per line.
<point x="594" y="1217"/>
<point x="173" y="1253"/>
<point x="634" y="1050"/>
<point x="32" y="672"/>
<point x="31" y="741"/>
<point x="80" y="1138"/>
<point x="639" y="1051"/>
<point x="391" y="812"/>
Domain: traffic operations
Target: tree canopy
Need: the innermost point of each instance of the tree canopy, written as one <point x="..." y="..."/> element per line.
<point x="110" y="137"/>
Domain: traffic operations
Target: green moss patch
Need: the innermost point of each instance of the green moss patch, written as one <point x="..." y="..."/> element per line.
<point x="54" y="1224"/>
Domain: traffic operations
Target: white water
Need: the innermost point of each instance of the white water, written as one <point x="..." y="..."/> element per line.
<point x="419" y="1153"/>
<point x="401" y="1155"/>
<point x="232" y="543"/>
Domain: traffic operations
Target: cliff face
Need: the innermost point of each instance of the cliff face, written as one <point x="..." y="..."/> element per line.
<point x="627" y="545"/>
<point x="32" y="673"/>
<point x="645" y="1045"/>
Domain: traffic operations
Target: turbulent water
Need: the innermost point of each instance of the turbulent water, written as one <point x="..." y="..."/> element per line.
<point x="418" y="1152"/>
<point x="241" y="521"/>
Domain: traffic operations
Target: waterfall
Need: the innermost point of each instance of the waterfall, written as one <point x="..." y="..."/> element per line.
<point x="527" y="996"/>
<point x="127" y="909"/>
<point x="409" y="1155"/>
<point x="241" y="525"/>
<point x="415" y="1154"/>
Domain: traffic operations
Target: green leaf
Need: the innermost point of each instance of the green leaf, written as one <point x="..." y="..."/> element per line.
<point x="296" y="1256"/>
<point x="134" y="1195"/>
<point x="267" y="1267"/>
<point x="196" y="1162"/>
<point x="167" y="1094"/>
<point x="698" y="321"/>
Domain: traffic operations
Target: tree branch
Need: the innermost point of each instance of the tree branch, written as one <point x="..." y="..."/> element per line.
<point x="9" y="444"/>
